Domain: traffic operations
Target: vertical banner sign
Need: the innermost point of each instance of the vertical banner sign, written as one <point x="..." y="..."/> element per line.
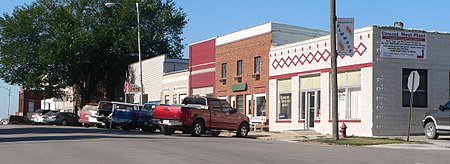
<point x="344" y="37"/>
<point x="403" y="45"/>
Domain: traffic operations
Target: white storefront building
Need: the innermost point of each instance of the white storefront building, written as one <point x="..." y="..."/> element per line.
<point x="153" y="70"/>
<point x="175" y="87"/>
<point x="372" y="94"/>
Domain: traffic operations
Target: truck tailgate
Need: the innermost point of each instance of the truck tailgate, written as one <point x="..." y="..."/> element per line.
<point x="167" y="112"/>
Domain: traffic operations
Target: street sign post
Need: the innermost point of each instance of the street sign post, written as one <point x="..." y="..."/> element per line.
<point x="413" y="84"/>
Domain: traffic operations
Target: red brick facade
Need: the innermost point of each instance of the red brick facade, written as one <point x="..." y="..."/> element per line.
<point x="246" y="50"/>
<point x="25" y="98"/>
<point x="202" y="56"/>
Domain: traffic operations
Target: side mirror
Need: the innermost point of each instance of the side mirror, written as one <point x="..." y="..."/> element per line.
<point x="233" y="110"/>
<point x="441" y="107"/>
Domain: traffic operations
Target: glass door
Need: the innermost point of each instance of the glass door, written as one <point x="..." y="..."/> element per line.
<point x="248" y="105"/>
<point x="310" y="108"/>
<point x="260" y="104"/>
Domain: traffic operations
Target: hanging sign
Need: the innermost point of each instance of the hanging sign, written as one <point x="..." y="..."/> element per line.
<point x="344" y="37"/>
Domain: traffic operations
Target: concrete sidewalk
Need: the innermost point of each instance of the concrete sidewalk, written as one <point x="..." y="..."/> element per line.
<point x="442" y="143"/>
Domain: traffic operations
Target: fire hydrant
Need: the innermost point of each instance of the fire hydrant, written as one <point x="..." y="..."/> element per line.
<point x="343" y="130"/>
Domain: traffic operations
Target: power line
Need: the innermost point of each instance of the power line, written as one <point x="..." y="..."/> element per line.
<point x="201" y="8"/>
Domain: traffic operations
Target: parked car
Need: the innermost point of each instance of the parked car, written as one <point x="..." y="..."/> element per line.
<point x="437" y="121"/>
<point x="62" y="118"/>
<point x="199" y="114"/>
<point x="88" y="116"/>
<point x="38" y="116"/>
<point x="146" y="122"/>
<point x="19" y="120"/>
<point x="4" y="121"/>
<point x="118" y="114"/>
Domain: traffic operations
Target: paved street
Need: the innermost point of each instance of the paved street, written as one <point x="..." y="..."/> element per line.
<point x="51" y="144"/>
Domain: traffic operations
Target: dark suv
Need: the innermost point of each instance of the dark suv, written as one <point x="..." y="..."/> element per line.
<point x="19" y="120"/>
<point x="437" y="121"/>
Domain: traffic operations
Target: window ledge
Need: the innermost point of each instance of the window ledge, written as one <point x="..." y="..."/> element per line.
<point x="283" y="121"/>
<point x="356" y="121"/>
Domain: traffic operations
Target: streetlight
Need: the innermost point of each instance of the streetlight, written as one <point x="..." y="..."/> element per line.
<point x="139" y="47"/>
<point x="9" y="95"/>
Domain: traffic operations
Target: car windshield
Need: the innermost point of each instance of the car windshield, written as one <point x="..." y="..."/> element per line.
<point x="149" y="107"/>
<point x="87" y="108"/>
<point x="105" y="106"/>
<point x="199" y="101"/>
<point x="41" y="111"/>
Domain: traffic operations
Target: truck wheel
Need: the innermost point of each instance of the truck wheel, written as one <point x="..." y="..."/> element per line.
<point x="167" y="130"/>
<point x="126" y="127"/>
<point x="148" y="129"/>
<point x="243" y="130"/>
<point x="430" y="131"/>
<point x="215" y="133"/>
<point x="197" y="128"/>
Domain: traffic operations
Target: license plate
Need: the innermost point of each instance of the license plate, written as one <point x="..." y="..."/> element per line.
<point x="166" y="122"/>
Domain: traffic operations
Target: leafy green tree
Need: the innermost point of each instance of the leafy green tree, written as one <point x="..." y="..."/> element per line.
<point x="52" y="44"/>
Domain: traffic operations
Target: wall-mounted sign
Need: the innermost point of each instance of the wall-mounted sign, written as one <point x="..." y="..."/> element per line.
<point x="239" y="87"/>
<point x="135" y="89"/>
<point x="344" y="37"/>
<point x="404" y="45"/>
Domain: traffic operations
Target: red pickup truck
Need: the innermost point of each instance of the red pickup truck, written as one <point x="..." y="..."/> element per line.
<point x="196" y="115"/>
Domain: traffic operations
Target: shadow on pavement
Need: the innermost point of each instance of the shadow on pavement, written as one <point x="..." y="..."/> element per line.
<point x="62" y="130"/>
<point x="69" y="137"/>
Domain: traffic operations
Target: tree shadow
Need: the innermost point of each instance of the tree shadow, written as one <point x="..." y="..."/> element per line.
<point x="62" y="130"/>
<point x="70" y="137"/>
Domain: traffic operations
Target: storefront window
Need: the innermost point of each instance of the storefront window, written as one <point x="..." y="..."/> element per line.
<point x="420" y="96"/>
<point x="349" y="95"/>
<point x="166" y="99"/>
<point x="284" y="99"/>
<point x="175" y="99"/>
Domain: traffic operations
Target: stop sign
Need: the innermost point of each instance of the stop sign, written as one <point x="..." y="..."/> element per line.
<point x="413" y="81"/>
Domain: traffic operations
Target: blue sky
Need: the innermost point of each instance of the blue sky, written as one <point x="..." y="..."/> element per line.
<point x="210" y="18"/>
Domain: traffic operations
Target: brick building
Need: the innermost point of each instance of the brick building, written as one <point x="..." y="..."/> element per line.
<point x="29" y="101"/>
<point x="202" y="64"/>
<point x="242" y="60"/>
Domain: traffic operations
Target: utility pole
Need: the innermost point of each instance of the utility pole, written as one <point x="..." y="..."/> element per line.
<point x="334" y="102"/>
<point x="139" y="51"/>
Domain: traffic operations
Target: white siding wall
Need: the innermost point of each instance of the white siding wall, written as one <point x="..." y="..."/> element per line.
<point x="152" y="73"/>
<point x="389" y="117"/>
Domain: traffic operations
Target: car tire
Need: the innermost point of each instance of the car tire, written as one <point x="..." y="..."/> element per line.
<point x="167" y="130"/>
<point x="243" y="130"/>
<point x="126" y="127"/>
<point x="99" y="126"/>
<point x="197" y="128"/>
<point x="15" y="123"/>
<point x="215" y="133"/>
<point x="64" y="123"/>
<point x="430" y="131"/>
<point x="86" y="125"/>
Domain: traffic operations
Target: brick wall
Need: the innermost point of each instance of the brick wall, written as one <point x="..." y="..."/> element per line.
<point x="246" y="50"/>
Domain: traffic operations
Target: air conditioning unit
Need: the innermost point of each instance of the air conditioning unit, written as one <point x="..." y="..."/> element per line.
<point x="223" y="81"/>
<point x="256" y="76"/>
<point x="239" y="78"/>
